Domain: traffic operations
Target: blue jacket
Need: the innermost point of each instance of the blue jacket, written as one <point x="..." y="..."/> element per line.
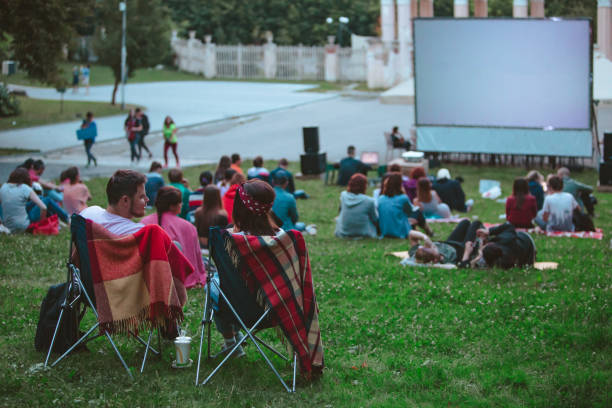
<point x="393" y="216"/>
<point x="285" y="208"/>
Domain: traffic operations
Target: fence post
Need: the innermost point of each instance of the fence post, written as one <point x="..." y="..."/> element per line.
<point x="210" y="58"/>
<point x="331" y="60"/>
<point x="239" y="60"/>
<point x="300" y="61"/>
<point x="269" y="50"/>
<point x="190" y="42"/>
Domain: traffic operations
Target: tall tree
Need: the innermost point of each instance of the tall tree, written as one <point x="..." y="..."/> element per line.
<point x="147" y="40"/>
<point x="39" y="31"/>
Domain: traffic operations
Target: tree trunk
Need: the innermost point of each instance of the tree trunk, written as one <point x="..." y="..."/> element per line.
<point x="115" y="92"/>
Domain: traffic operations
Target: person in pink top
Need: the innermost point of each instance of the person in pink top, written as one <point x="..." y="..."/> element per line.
<point x="168" y="205"/>
<point x="76" y="194"/>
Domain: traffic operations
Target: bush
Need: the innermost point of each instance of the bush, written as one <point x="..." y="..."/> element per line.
<point x="9" y="105"/>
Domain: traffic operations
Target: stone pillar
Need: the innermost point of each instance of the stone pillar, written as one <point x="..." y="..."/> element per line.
<point x="331" y="60"/>
<point x="404" y="33"/>
<point x="536" y="9"/>
<point x="375" y="64"/>
<point x="210" y="57"/>
<point x="387" y="20"/>
<point x="481" y="8"/>
<point x="190" y="51"/>
<point x="426" y="9"/>
<point x="269" y="57"/>
<point x="462" y="9"/>
<point x="604" y="27"/>
<point x="519" y="8"/>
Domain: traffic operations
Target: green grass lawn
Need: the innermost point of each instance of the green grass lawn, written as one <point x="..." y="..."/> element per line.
<point x="393" y="336"/>
<point x="36" y="112"/>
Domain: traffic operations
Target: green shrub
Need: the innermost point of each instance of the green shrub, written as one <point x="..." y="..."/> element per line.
<point x="9" y="106"/>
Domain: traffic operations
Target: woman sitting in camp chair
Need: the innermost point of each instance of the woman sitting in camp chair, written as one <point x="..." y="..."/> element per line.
<point x="273" y="265"/>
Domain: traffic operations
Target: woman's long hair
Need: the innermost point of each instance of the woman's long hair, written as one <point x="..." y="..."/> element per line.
<point x="167" y="196"/>
<point x="168" y="121"/>
<point x="20" y="176"/>
<point x="224" y="164"/>
<point x="424" y="190"/>
<point x="520" y="189"/>
<point x="71" y="174"/>
<point x="392" y="185"/>
<point x="211" y="206"/>
<point x="246" y="220"/>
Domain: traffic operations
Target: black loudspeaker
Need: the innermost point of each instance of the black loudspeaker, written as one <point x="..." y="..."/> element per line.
<point x="605" y="173"/>
<point x="311" y="139"/>
<point x="313" y="163"/>
<point x="607" y="150"/>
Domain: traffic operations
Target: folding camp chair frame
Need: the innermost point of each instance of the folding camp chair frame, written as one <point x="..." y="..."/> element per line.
<point x="75" y="293"/>
<point x="207" y="320"/>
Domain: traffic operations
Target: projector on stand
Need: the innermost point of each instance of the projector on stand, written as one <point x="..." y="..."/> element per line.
<point x="413" y="156"/>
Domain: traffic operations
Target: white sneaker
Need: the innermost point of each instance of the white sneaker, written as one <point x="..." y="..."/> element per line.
<point x="4" y="230"/>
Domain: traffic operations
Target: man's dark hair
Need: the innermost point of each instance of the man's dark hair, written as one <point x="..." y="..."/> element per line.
<point x="491" y="254"/>
<point x="123" y="182"/>
<point x="137" y="110"/>
<point x="89" y="115"/>
<point x="38" y="165"/>
<point x="283" y="162"/>
<point x="27" y="164"/>
<point x="154" y="166"/>
<point x="556" y="183"/>
<point x="350" y="149"/>
<point x="235" y="158"/>
<point x="175" y="176"/>
<point x="258" y="161"/>
<point x="20" y="176"/>
<point x="229" y="173"/>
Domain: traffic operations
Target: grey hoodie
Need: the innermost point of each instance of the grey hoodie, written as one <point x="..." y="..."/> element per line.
<point x="358" y="216"/>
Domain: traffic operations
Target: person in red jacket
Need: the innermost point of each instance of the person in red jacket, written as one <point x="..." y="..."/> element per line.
<point x="230" y="195"/>
<point x="521" y="207"/>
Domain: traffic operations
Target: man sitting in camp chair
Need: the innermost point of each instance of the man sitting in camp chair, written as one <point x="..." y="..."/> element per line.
<point x="127" y="199"/>
<point x="273" y="265"/>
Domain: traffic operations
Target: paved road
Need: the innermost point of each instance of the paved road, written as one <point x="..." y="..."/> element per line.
<point x="341" y="121"/>
<point x="188" y="102"/>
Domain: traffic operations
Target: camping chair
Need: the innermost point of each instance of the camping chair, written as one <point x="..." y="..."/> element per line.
<point x="390" y="148"/>
<point x="235" y="299"/>
<point x="80" y="294"/>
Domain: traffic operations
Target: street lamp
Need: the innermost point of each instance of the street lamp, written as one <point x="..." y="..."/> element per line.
<point x="122" y="8"/>
<point x="342" y="22"/>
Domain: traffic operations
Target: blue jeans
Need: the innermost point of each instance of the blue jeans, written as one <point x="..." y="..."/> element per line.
<point x="88" y="144"/>
<point x="52" y="208"/>
<point x="539" y="220"/>
<point x="134" y="148"/>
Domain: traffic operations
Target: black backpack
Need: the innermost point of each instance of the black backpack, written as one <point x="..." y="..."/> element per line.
<point x="145" y="124"/>
<point x="68" y="332"/>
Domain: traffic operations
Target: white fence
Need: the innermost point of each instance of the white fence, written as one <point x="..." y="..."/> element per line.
<point x="269" y="61"/>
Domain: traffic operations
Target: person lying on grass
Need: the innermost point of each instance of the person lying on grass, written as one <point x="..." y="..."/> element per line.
<point x="457" y="248"/>
<point x="503" y="247"/>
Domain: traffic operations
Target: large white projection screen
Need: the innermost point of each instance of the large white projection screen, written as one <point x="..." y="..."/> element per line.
<point x="508" y="86"/>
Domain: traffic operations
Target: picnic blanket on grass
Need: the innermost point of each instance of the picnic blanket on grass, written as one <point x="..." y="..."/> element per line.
<point x="597" y="234"/>
<point x="138" y="279"/>
<point x="453" y="219"/>
<point x="279" y="265"/>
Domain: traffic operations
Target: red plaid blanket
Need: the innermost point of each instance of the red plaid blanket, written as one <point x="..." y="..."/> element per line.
<point x="279" y="265"/>
<point x="138" y="279"/>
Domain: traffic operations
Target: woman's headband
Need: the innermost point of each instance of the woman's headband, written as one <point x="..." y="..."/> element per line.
<point x="253" y="205"/>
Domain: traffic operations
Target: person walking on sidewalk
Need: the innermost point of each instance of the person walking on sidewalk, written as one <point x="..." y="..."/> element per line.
<point x="144" y="120"/>
<point x="92" y="132"/>
<point x="133" y="127"/>
<point x="170" y="140"/>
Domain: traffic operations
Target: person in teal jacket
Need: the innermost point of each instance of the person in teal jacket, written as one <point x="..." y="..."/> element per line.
<point x="176" y="180"/>
<point x="285" y="207"/>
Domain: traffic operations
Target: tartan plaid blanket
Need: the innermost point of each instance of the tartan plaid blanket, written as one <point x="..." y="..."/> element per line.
<point x="138" y="279"/>
<point x="279" y="265"/>
<point x="597" y="234"/>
